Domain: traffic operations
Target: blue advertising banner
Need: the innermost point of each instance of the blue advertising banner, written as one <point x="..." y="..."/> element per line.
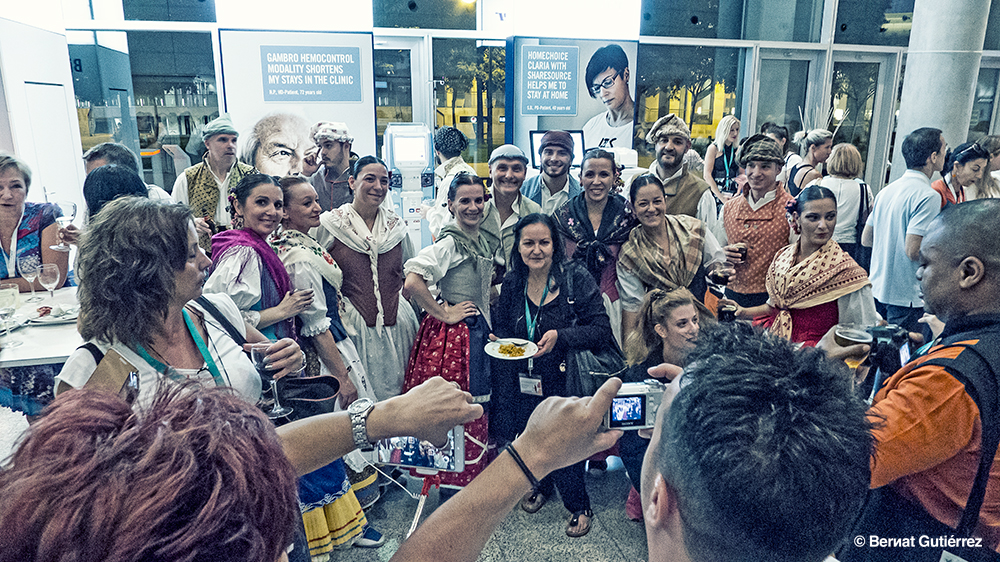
<point x="549" y="80"/>
<point x="297" y="73"/>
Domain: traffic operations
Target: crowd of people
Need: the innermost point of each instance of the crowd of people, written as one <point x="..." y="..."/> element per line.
<point x="762" y="450"/>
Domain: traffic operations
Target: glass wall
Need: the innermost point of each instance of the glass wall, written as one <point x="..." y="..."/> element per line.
<point x="393" y="90"/>
<point x="469" y="94"/>
<point x="772" y="20"/>
<point x="855" y="86"/>
<point x="152" y="93"/>
<point x="982" y="105"/>
<point x="434" y="14"/>
<point x="699" y="84"/>
<point x="781" y="98"/>
<point x="874" y="22"/>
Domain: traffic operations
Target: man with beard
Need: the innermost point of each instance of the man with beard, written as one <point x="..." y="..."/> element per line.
<point x="205" y="186"/>
<point x="330" y="181"/>
<point x="508" y="166"/>
<point x="555" y="185"/>
<point x="686" y="193"/>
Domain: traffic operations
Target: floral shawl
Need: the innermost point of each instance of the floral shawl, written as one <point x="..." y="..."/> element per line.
<point x="593" y="250"/>
<point x="293" y="246"/>
<point x="668" y="268"/>
<point x="825" y="276"/>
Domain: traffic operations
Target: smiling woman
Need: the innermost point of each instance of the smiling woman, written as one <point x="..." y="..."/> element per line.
<point x="247" y="269"/>
<point x="453" y="335"/>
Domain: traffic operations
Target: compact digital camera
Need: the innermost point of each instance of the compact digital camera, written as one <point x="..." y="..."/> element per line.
<point x="635" y="405"/>
<point x="888" y="346"/>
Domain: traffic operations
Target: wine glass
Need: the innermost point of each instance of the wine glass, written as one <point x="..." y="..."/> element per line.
<point x="29" y="271"/>
<point x="258" y="354"/>
<point x="8" y="304"/>
<point x="48" y="276"/>
<point x="68" y="209"/>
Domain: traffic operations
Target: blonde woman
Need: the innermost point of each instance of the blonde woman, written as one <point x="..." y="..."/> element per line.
<point x="721" y="167"/>
<point x="816" y="147"/>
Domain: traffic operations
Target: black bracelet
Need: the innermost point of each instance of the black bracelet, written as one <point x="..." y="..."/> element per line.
<point x="535" y="484"/>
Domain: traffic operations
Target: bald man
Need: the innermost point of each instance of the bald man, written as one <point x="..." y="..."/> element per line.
<point x="929" y="430"/>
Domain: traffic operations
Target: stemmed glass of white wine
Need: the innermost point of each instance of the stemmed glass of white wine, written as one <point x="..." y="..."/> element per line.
<point x="29" y="271"/>
<point x="48" y="276"/>
<point x="68" y="209"/>
<point x="8" y="304"/>
<point x="258" y="354"/>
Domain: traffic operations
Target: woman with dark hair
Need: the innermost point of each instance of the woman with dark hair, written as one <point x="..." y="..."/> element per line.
<point x="246" y="267"/>
<point x="369" y="242"/>
<point x="667" y="330"/>
<point x="606" y="79"/>
<point x="595" y="224"/>
<point x="813" y="285"/>
<point x="108" y="183"/>
<point x="963" y="167"/>
<point x="557" y="305"/>
<point x="140" y="268"/>
<point x="780" y="135"/>
<point x="987" y="186"/>
<point x="816" y="146"/>
<point x="666" y="252"/>
<point x="454" y="332"/>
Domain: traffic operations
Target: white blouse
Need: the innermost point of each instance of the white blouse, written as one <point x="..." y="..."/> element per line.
<point x="235" y="367"/>
<point x="245" y="290"/>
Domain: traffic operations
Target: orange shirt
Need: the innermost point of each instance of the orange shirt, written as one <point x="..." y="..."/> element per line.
<point x="928" y="431"/>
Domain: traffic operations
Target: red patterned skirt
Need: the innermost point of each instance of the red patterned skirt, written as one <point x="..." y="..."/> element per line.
<point x="452" y="352"/>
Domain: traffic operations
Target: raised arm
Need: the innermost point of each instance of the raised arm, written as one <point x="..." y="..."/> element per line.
<point x="560" y="432"/>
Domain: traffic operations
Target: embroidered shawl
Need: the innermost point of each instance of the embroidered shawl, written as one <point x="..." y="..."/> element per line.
<point x="826" y="275"/>
<point x="593" y="250"/>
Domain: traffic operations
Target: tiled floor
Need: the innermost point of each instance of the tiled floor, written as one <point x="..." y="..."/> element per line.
<point x="524" y="537"/>
<point x="521" y="537"/>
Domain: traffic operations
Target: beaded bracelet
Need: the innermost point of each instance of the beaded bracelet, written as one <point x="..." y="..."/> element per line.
<point x="535" y="484"/>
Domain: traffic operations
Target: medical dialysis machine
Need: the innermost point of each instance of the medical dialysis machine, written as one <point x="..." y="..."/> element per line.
<point x="408" y="151"/>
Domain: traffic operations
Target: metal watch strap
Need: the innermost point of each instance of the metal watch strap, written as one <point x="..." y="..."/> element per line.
<point x="359" y="429"/>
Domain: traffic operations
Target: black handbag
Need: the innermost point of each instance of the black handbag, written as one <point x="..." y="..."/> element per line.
<point x="307" y="396"/>
<point x="862" y="254"/>
<point x="585" y="370"/>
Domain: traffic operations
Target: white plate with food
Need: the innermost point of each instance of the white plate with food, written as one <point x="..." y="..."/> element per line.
<point x="511" y="349"/>
<point x="55" y="315"/>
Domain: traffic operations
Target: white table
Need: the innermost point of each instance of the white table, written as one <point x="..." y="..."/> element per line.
<point x="42" y="343"/>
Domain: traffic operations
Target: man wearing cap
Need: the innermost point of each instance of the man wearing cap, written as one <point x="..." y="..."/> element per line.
<point x="508" y="166"/>
<point x="685" y="191"/>
<point x="204" y="187"/>
<point x="555" y="185"/>
<point x="334" y="142"/>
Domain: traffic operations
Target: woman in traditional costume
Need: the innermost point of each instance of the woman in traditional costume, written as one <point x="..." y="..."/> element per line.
<point x="667" y="252"/>
<point x="813" y="285"/>
<point x="452" y="336"/>
<point x="595" y="224"/>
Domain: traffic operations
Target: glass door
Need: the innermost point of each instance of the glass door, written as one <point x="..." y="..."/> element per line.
<point x="861" y="107"/>
<point x="402" y="84"/>
<point x="786" y="92"/>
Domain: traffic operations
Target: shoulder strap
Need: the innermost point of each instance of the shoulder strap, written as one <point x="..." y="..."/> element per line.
<point x="975" y="368"/>
<point x="221" y="319"/>
<point x="95" y="351"/>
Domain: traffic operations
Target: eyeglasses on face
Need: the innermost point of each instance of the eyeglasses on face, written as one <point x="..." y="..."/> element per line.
<point x="606" y="83"/>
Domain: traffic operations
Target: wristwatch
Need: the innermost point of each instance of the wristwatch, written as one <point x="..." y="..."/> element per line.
<point x="359" y="410"/>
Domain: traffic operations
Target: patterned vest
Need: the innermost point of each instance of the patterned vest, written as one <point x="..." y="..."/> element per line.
<point x="764" y="231"/>
<point x="203" y="195"/>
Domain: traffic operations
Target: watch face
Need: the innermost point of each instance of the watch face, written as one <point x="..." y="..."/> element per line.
<point x="359" y="405"/>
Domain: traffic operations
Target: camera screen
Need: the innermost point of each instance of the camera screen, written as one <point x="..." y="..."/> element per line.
<point x="628" y="411"/>
<point x="411" y="452"/>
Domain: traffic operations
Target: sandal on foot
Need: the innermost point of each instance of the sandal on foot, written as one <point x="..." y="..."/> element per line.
<point x="575" y="521"/>
<point x="533" y="501"/>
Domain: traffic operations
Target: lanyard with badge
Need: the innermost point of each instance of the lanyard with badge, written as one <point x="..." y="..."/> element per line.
<point x="531" y="383"/>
